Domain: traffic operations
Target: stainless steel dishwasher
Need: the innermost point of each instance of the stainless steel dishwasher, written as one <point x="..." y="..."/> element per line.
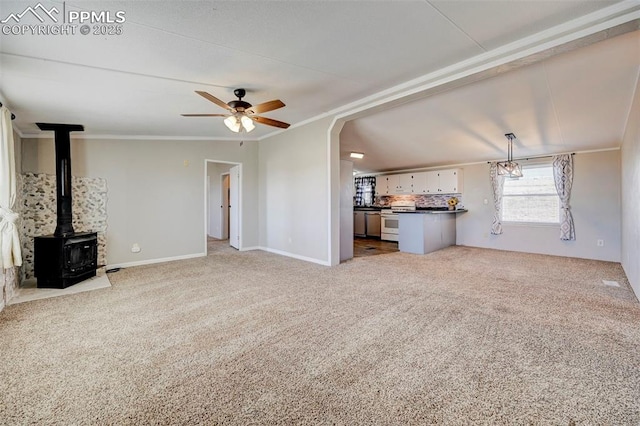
<point x="372" y="224"/>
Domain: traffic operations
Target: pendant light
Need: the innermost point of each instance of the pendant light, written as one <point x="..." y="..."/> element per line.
<point x="509" y="168"/>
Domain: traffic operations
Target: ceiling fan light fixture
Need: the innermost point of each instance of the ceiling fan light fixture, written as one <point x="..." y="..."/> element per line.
<point x="509" y="168"/>
<point x="241" y="115"/>
<point x="232" y="123"/>
<point x="247" y="123"/>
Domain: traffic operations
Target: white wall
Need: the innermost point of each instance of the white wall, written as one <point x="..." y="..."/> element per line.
<point x="154" y="199"/>
<point x="294" y="192"/>
<point x="215" y="171"/>
<point x="631" y="195"/>
<point x="346" y="210"/>
<point x="595" y="205"/>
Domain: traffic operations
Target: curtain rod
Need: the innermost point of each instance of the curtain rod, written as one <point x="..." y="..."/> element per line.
<point x="13" y="116"/>
<point x="531" y="158"/>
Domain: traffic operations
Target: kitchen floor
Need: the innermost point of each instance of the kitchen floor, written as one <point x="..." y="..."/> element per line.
<point x="372" y="246"/>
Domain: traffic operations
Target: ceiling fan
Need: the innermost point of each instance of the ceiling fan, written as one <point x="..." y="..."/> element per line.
<point x="242" y="114"/>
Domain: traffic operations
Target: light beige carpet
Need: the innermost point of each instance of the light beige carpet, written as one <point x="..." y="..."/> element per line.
<point x="461" y="336"/>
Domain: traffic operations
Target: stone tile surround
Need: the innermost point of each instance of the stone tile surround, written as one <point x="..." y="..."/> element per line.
<point x="38" y="212"/>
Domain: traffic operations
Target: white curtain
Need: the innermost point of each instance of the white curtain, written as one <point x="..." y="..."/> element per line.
<point x="497" y="185"/>
<point x="563" y="176"/>
<point x="10" y="253"/>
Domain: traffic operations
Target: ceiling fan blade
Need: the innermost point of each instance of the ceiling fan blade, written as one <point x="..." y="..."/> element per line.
<point x="204" y="115"/>
<point x="213" y="99"/>
<point x="267" y="106"/>
<point x="270" y="122"/>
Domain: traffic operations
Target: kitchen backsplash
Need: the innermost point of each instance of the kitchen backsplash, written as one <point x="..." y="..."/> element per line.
<point x="421" y="200"/>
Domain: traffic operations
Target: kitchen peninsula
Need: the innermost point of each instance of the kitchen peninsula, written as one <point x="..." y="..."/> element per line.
<point x="425" y="231"/>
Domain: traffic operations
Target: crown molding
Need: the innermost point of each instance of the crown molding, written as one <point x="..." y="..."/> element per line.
<point x="473" y="163"/>
<point x="137" y="137"/>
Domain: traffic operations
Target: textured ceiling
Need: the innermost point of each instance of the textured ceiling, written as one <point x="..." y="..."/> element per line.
<point x="316" y="56"/>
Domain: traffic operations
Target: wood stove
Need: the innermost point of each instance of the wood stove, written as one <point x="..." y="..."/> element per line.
<point x="64" y="261"/>
<point x="66" y="257"/>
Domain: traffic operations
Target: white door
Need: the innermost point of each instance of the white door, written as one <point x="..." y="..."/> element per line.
<point x="234" y="197"/>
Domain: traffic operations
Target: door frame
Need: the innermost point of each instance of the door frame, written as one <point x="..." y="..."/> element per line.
<point x="234" y="201"/>
<point x="224" y="196"/>
<point x="207" y="200"/>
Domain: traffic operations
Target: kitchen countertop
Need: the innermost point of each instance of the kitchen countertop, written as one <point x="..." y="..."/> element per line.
<point x="422" y="210"/>
<point x="435" y="211"/>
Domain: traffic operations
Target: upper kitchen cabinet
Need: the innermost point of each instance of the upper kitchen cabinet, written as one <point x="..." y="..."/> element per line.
<point x="444" y="181"/>
<point x="405" y="184"/>
<point x="433" y="182"/>
<point x="394" y="184"/>
<point x="383" y="186"/>
<point x="420" y="183"/>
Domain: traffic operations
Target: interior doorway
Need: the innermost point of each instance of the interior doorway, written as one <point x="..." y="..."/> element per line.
<point x="224" y="195"/>
<point x="223" y="203"/>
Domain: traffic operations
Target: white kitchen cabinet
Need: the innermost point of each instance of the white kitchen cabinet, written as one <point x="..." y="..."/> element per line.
<point x="450" y="181"/>
<point x="396" y="184"/>
<point x="419" y="183"/>
<point x="405" y="183"/>
<point x="444" y="181"/>
<point x="393" y="182"/>
<point x="432" y="182"/>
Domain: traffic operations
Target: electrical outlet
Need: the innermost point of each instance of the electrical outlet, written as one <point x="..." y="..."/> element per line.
<point x="135" y="248"/>
<point x="600" y="243"/>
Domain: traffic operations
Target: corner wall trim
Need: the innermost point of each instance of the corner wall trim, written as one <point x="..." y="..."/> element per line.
<point x="152" y="261"/>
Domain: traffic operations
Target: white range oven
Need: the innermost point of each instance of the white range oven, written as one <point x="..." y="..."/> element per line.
<point x="389" y="219"/>
<point x="388" y="225"/>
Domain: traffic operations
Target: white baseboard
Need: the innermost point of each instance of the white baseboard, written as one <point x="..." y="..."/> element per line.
<point x="152" y="261"/>
<point x="295" y="256"/>
<point x="191" y="256"/>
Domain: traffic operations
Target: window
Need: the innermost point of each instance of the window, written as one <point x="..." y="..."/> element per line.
<point x="365" y="188"/>
<point x="531" y="198"/>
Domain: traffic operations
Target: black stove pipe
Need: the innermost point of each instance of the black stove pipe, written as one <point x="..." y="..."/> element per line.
<point x="64" y="201"/>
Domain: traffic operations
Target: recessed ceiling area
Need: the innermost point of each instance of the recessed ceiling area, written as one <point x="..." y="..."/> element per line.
<point x="574" y="101"/>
